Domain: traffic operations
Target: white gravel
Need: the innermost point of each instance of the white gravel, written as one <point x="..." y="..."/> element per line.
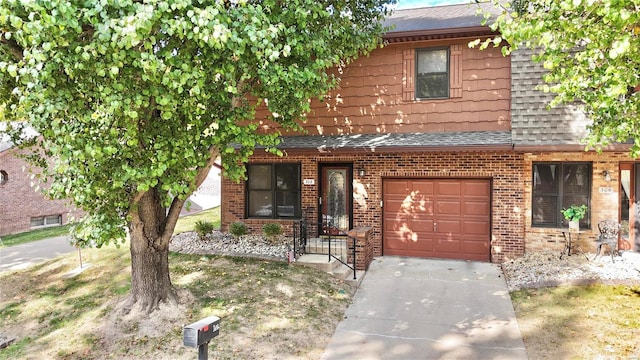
<point x="542" y="269"/>
<point x="539" y="269"/>
<point x="226" y="244"/>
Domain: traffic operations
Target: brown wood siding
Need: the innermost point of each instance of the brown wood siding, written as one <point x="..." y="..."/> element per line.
<point x="376" y="94"/>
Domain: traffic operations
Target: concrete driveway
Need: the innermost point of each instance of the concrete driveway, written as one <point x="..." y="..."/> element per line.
<point x="410" y="308"/>
<point x="24" y="255"/>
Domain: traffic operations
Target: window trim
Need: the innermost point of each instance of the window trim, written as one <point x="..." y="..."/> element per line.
<point x="274" y="192"/>
<point x="45" y="223"/>
<point x="561" y="222"/>
<point x="447" y="72"/>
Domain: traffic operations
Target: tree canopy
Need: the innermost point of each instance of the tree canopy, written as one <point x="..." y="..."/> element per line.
<point x="591" y="51"/>
<point x="136" y="99"/>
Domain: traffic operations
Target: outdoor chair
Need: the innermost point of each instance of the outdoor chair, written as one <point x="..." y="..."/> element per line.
<point x="609" y="230"/>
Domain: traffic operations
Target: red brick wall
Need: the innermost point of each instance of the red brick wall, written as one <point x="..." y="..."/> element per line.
<point x="504" y="168"/>
<point x="604" y="205"/>
<point x="20" y="201"/>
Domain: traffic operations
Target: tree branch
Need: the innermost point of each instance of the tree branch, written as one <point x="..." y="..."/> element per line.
<point x="12" y="46"/>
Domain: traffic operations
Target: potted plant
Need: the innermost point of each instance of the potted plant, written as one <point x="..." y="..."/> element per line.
<point x="574" y="214"/>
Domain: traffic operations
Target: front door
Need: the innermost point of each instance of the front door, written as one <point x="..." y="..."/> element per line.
<point x="630" y="206"/>
<point x="335" y="199"/>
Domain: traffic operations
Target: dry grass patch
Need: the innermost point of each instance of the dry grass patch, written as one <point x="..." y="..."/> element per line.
<point x="579" y="322"/>
<point x="268" y="309"/>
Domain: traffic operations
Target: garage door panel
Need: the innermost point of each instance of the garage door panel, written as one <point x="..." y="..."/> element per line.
<point x="448" y="187"/>
<point x="459" y="207"/>
<point x="422" y="187"/>
<point x="472" y="207"/>
<point x="475" y="247"/>
<point x="449" y="207"/>
<point x="475" y="228"/>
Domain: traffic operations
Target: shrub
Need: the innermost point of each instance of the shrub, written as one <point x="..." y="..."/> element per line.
<point x="238" y="229"/>
<point x="272" y="231"/>
<point x="203" y="228"/>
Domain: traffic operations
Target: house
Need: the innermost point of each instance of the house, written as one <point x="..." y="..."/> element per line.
<point x="441" y="150"/>
<point x="24" y="207"/>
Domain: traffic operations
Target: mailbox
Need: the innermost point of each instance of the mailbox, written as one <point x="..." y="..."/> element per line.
<point x="201" y="332"/>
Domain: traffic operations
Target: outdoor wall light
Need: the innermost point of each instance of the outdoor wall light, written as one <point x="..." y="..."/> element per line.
<point x="606" y="175"/>
<point x="361" y="172"/>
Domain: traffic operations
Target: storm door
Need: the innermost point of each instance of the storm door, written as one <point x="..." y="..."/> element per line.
<point x="335" y="199"/>
<point x="630" y="206"/>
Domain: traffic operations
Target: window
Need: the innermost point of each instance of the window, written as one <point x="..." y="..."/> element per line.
<point x="432" y="73"/>
<point x="557" y="186"/>
<point x="50" y="220"/>
<point x="273" y="190"/>
<point x="4" y="177"/>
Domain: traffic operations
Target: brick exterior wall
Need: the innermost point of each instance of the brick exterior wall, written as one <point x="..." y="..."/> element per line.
<point x="604" y="205"/>
<point x="20" y="200"/>
<point x="504" y="168"/>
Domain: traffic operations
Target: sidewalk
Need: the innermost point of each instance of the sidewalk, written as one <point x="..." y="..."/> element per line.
<point x="24" y="255"/>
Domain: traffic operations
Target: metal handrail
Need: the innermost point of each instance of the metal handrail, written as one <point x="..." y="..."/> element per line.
<point x="329" y="225"/>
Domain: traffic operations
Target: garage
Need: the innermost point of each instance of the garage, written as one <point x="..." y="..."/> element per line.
<point x="438" y="218"/>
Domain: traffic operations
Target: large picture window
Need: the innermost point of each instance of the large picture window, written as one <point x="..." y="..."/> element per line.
<point x="557" y="186"/>
<point x="273" y="191"/>
<point x="432" y="73"/>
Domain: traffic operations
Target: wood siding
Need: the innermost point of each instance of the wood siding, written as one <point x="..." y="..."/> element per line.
<point x="376" y="94"/>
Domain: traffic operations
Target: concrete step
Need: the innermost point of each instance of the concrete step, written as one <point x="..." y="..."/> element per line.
<point x="318" y="261"/>
<point x="335" y="267"/>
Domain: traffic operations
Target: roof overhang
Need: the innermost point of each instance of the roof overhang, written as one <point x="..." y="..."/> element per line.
<point x="437" y="34"/>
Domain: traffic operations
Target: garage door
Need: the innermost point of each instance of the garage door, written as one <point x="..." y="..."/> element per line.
<point x="442" y="218"/>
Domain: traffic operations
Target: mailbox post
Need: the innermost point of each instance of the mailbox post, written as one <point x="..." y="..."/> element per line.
<point x="200" y="333"/>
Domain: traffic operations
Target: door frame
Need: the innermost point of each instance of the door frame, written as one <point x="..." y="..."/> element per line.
<point x="322" y="167"/>
<point x="632" y="239"/>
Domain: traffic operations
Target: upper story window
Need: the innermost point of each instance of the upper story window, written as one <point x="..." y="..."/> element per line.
<point x="432" y="73"/>
<point x="273" y="191"/>
<point x="4" y="177"/>
<point x="557" y="186"/>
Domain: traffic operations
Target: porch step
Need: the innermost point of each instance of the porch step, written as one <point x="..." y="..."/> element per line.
<point x="321" y="246"/>
<point x="333" y="267"/>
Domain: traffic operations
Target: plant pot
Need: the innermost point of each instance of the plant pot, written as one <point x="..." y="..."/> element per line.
<point x="574" y="225"/>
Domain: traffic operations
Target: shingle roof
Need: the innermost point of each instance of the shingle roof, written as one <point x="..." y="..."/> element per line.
<point x="438" y="17"/>
<point x="399" y="141"/>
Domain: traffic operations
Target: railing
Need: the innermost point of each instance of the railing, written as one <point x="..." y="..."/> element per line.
<point x="299" y="238"/>
<point x="330" y="229"/>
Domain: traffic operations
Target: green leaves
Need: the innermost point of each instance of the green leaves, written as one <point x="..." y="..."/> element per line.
<point x="132" y="97"/>
<point x="590" y="49"/>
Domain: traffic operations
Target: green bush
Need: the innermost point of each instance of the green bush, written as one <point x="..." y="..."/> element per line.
<point x="203" y="228"/>
<point x="272" y="231"/>
<point x="238" y="229"/>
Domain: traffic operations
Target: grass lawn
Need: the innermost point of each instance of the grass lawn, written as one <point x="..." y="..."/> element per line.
<point x="185" y="223"/>
<point x="268" y="309"/>
<point x="25" y="237"/>
<point x="580" y="322"/>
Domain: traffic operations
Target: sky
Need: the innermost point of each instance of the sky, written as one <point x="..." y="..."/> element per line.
<point x="407" y="4"/>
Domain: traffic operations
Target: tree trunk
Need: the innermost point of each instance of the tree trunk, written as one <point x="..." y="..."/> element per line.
<point x="150" y="229"/>
<point x="150" y="280"/>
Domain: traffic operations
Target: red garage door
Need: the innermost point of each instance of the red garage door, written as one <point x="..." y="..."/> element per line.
<point x="442" y="218"/>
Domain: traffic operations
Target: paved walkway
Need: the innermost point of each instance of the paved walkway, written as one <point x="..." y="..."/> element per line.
<point x="24" y="255"/>
<point x="409" y="308"/>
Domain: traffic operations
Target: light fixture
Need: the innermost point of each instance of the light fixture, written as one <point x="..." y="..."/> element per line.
<point x="606" y="175"/>
<point x="361" y="172"/>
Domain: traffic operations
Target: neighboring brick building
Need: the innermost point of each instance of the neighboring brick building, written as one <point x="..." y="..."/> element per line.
<point x="23" y="206"/>
<point x="445" y="150"/>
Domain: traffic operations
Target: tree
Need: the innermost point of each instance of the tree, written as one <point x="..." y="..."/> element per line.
<point x="591" y="51"/>
<point x="136" y="99"/>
